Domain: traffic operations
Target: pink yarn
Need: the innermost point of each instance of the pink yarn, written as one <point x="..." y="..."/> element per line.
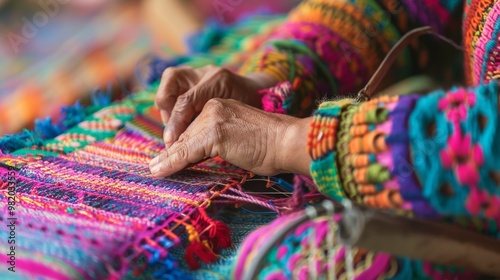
<point x="302" y="228"/>
<point x="40" y="269"/>
<point x="276" y="276"/>
<point x="304" y="273"/>
<point x="282" y="251"/>
<point x="456" y="103"/>
<point x="340" y="256"/>
<point x="274" y="97"/>
<point x="473" y="203"/>
<point x="481" y="200"/>
<point x="446" y="159"/>
<point x="381" y="264"/>
<point x="294" y="259"/>
<point x="460" y="144"/>
<point x="391" y="184"/>
<point x="464" y="157"/>
<point x="385" y="127"/>
<point x="493" y="210"/>
<point x="385" y="159"/>
<point x="467" y="174"/>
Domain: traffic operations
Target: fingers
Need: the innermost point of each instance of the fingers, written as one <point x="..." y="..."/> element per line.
<point x="174" y="82"/>
<point x="195" y="144"/>
<point x="216" y="83"/>
<point x="182" y="115"/>
<point x="180" y="155"/>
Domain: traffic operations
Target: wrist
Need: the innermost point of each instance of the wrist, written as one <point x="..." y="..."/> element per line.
<point x="295" y="157"/>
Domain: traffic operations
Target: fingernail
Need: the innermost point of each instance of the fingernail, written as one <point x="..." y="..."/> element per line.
<point x="155" y="169"/>
<point x="164" y="116"/>
<point x="169" y="137"/>
<point x="154" y="161"/>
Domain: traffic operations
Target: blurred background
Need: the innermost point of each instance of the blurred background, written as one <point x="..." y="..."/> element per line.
<point x="55" y="52"/>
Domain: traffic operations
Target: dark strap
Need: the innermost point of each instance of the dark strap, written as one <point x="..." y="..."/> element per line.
<point x="372" y="85"/>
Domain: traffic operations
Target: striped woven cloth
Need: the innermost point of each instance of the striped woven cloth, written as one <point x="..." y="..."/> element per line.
<point x="84" y="205"/>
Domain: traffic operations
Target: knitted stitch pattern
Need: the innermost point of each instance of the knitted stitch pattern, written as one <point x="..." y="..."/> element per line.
<point x="372" y="153"/>
<point x="433" y="156"/>
<point x="481" y="29"/>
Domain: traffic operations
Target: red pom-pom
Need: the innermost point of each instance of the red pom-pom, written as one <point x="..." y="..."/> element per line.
<point x="220" y="236"/>
<point x="198" y="251"/>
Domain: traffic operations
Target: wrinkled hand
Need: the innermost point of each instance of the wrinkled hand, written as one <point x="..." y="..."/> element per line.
<point x="184" y="91"/>
<point x="249" y="138"/>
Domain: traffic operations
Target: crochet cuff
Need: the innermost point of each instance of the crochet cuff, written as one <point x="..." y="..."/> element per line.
<point x="321" y="145"/>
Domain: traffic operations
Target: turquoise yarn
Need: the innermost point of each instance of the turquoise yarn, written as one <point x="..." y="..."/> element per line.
<point x="426" y="149"/>
<point x="404" y="270"/>
<point x="489" y="138"/>
<point x="275" y="265"/>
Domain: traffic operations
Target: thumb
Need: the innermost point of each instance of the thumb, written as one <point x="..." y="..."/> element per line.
<point x="183" y="113"/>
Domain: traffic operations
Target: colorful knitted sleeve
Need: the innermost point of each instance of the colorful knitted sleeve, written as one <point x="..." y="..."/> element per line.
<point x="370" y="156"/>
<point x="434" y="156"/>
<point x="330" y="48"/>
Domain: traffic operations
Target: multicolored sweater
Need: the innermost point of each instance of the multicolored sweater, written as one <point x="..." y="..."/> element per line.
<point x="331" y="48"/>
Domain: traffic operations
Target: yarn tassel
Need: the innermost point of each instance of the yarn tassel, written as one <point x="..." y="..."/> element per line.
<point x="13" y="142"/>
<point x="100" y="98"/>
<point x="198" y="251"/>
<point x="72" y="115"/>
<point x="211" y="35"/>
<point x="216" y="233"/>
<point x="220" y="236"/>
<point x="46" y="130"/>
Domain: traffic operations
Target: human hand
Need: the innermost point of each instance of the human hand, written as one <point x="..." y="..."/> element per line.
<point x="261" y="142"/>
<point x="184" y="91"/>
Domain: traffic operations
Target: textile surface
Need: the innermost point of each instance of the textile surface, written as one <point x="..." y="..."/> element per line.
<point x="85" y="206"/>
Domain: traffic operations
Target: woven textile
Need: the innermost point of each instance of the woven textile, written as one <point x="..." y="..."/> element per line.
<point x="87" y="208"/>
<point x="64" y="62"/>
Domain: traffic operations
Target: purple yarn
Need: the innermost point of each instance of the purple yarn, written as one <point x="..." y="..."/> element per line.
<point x="404" y="172"/>
<point x="420" y="14"/>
